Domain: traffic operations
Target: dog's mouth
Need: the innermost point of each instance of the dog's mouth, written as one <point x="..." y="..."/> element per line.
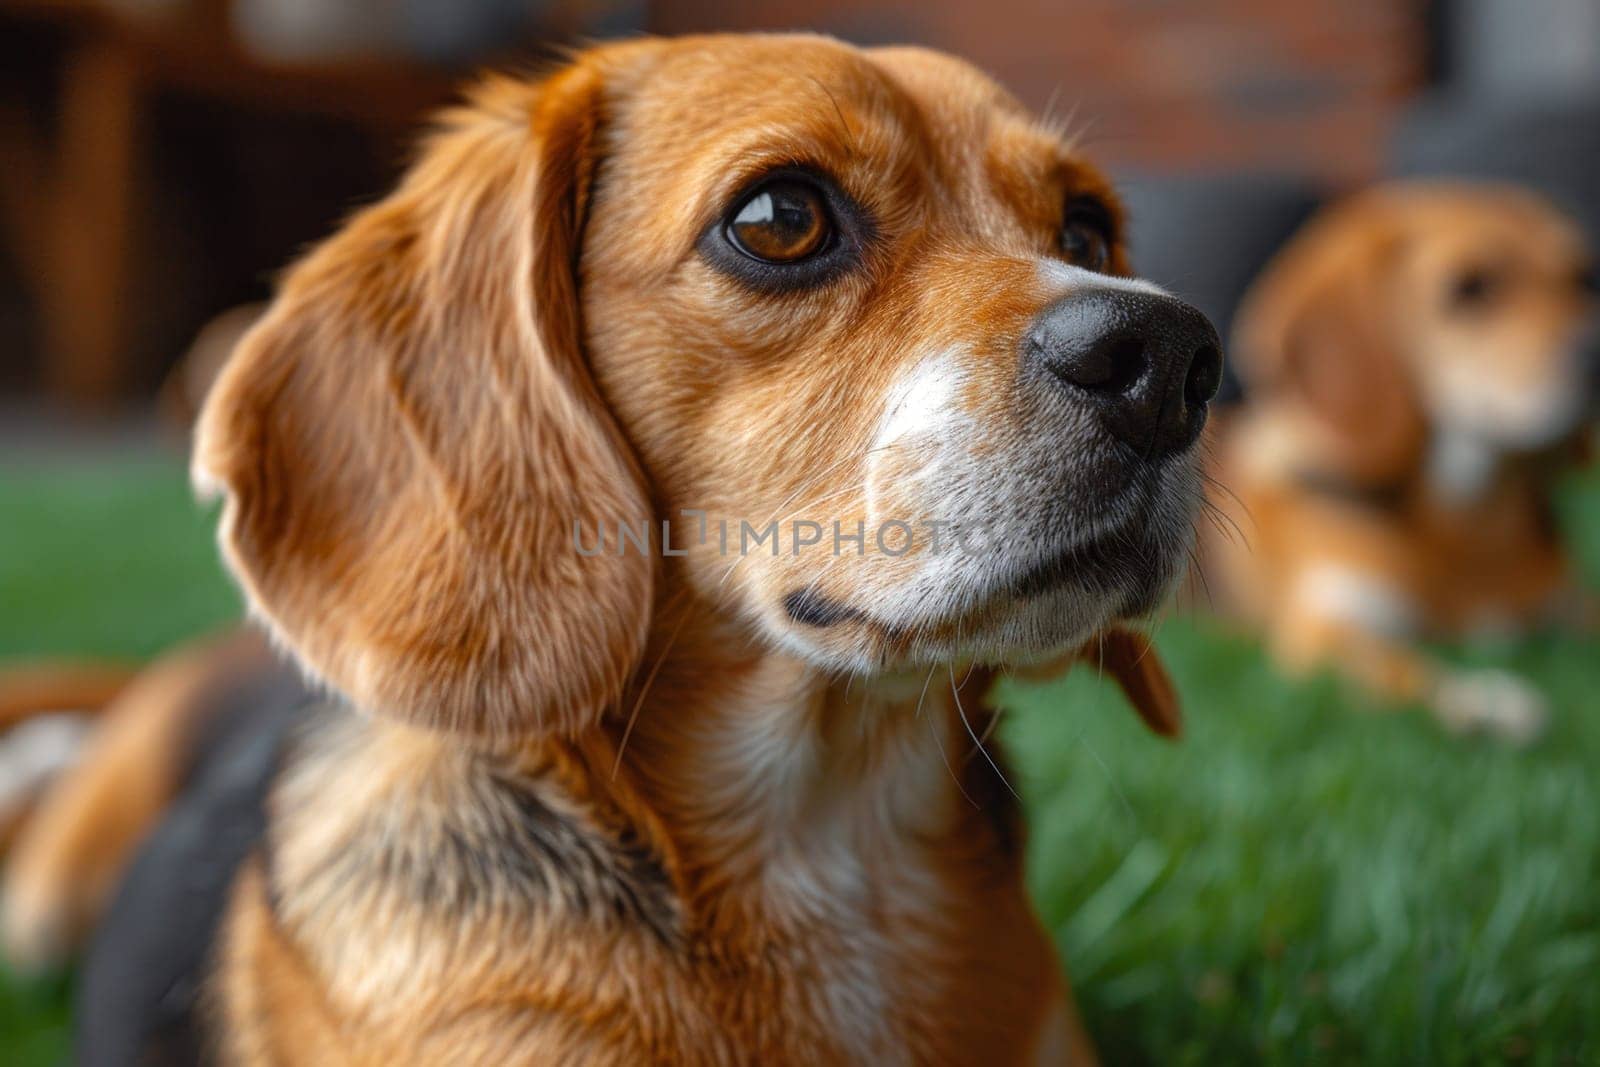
<point x="1036" y="565"/>
<point x="1127" y="556"/>
<point x="1125" y="561"/>
<point x="1126" y="569"/>
<point x="810" y="607"/>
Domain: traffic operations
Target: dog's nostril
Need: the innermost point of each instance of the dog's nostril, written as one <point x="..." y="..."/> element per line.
<point x="1089" y="368"/>
<point x="1125" y="361"/>
<point x="1102" y="367"/>
<point x="1205" y="375"/>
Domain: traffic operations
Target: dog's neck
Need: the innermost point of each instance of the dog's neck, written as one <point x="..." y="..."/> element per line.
<point x="782" y="806"/>
<point x="763" y="825"/>
<point x="762" y="772"/>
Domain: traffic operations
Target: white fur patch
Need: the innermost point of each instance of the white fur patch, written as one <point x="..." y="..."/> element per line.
<point x="1346" y="594"/>
<point x="923" y="401"/>
<point x="1057" y="276"/>
<point x="836" y="840"/>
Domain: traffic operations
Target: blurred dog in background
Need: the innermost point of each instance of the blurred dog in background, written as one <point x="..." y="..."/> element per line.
<point x="1419" y="363"/>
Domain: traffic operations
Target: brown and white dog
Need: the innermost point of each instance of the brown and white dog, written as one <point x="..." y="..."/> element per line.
<point x="1420" y="363"/>
<point x="599" y="789"/>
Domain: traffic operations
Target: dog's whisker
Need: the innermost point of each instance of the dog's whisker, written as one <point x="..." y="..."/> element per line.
<point x="1199" y="572"/>
<point x="849" y="134"/>
<point x="1110" y="777"/>
<point x="960" y="711"/>
<point x="1215" y="483"/>
<point x="1224" y="523"/>
<point x="1212" y="520"/>
<point x="933" y="731"/>
<point x="989" y="727"/>
<point x="650" y="679"/>
<point x="1048" y="117"/>
<point x="924" y="694"/>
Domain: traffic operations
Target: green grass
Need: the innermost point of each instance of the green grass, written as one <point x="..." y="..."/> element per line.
<point x="112" y="560"/>
<point x="1298" y="881"/>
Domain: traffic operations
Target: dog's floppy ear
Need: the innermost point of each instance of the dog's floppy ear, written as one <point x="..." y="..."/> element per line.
<point x="1130" y="658"/>
<point x="1315" y="330"/>
<point x="408" y="437"/>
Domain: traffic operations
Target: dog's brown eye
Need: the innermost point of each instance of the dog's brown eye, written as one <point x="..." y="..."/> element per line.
<point x="781" y="222"/>
<point x="1086" y="234"/>
<point x="1473" y="288"/>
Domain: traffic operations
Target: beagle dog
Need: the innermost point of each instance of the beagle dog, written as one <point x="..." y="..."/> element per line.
<point x="653" y="484"/>
<point x="1419" y="363"/>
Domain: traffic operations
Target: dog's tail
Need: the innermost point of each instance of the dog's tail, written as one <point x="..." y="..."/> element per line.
<point x="85" y="789"/>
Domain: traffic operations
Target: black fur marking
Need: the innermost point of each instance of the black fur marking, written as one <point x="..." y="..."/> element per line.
<point x="811" y="608"/>
<point x="595" y="874"/>
<point x="489" y="842"/>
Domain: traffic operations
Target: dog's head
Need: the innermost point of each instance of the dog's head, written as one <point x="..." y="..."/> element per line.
<point x="852" y="322"/>
<point x="1424" y="311"/>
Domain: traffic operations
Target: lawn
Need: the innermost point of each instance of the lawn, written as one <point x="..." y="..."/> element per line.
<point x="1297" y="881"/>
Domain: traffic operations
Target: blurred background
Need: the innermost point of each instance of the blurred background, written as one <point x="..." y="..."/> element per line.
<point x="1297" y="882"/>
<point x="163" y="158"/>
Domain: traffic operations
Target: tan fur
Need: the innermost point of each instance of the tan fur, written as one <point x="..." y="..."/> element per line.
<point x="1353" y="357"/>
<point x="610" y="808"/>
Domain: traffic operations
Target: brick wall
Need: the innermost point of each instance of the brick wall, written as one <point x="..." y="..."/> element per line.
<point x="1303" y="85"/>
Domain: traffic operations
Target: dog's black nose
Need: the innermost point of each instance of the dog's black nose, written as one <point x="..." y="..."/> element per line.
<point x="1148" y="362"/>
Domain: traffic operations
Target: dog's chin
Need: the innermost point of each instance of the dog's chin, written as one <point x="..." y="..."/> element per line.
<point x="1058" y="602"/>
<point x="1020" y="610"/>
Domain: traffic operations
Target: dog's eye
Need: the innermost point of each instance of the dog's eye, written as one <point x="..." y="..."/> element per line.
<point x="789" y="231"/>
<point x="1086" y="234"/>
<point x="1473" y="288"/>
<point x="783" y="221"/>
